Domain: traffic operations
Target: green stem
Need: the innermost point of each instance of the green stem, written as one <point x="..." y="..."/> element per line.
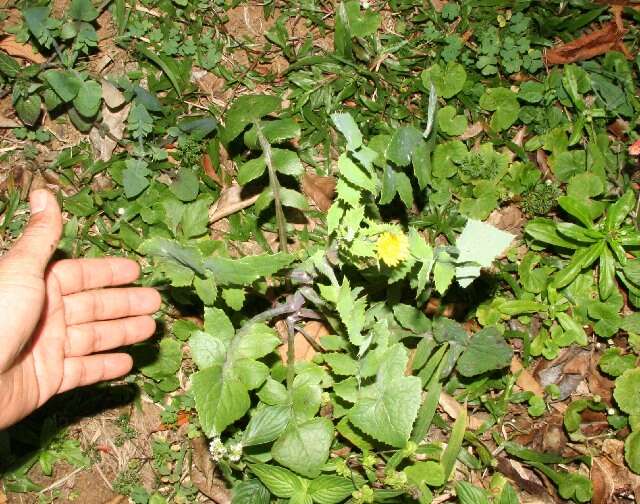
<point x="275" y="187"/>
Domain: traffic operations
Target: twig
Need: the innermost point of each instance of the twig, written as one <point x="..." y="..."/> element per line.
<point x="275" y="187"/>
<point x="231" y="209"/>
<point x="61" y="481"/>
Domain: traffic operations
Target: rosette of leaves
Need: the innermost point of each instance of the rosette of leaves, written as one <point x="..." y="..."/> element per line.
<point x="606" y="242"/>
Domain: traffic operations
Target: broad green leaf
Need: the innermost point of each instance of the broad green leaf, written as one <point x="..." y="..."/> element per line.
<point x="619" y="210"/>
<point x="429" y="472"/>
<point x="286" y="161"/>
<point x="28" y="109"/>
<point x="451" y="123"/>
<point x="134" y="177"/>
<point x="445" y="158"/>
<point x="404" y="142"/>
<point x="280" y="482"/>
<point x="304" y="448"/>
<point x="505" y="107"/>
<point x="577" y="209"/>
<point x="544" y="230"/>
<point x="293" y="199"/>
<point x="66" y="83"/>
<point x="327" y="489"/>
<point x="354" y="174"/>
<point x="251" y="170"/>
<point x="245" y="110"/>
<point x="166" y="362"/>
<point x="247" y="269"/>
<point x="405" y="191"/>
<point x="221" y="398"/>
<point x="347" y="126"/>
<point x="632" y="451"/>
<point x="341" y="363"/>
<point x="470" y="494"/>
<point x="234" y="298"/>
<point x="487" y="351"/>
<point x="443" y="274"/>
<point x="276" y="131"/>
<point x="266" y="425"/>
<point x="387" y="409"/>
<point x="8" y="65"/>
<point x="36" y="20"/>
<point x="606" y="274"/>
<point x="80" y="204"/>
<point x="411" y="318"/>
<point x="479" y="243"/>
<point x="221" y="391"/>
<point x="448" y="81"/>
<point x="362" y="22"/>
<point x="627" y="391"/>
<point x="186" y="185"/>
<point x="206" y="350"/>
<point x="250" y="492"/>
<point x="83" y="10"/>
<point x="187" y="256"/>
<point x="195" y="220"/>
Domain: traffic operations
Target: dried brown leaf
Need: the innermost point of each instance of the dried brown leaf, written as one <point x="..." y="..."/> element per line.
<point x="12" y="47"/>
<point x="600" y="41"/>
<point x="304" y="350"/>
<point x="525" y="380"/>
<point x="454" y="409"/>
<point x="634" y="148"/>
<point x="203" y="473"/>
<point x="319" y="189"/>
<point x="112" y="96"/>
<point x="5" y="122"/>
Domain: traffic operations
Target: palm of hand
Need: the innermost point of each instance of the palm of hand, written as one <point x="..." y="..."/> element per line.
<point x="53" y="319"/>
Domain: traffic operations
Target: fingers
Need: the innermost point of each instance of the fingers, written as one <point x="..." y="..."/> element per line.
<point x="32" y="252"/>
<point x="86" y="339"/>
<point x="110" y="304"/>
<point x="81" y="371"/>
<point x="76" y="275"/>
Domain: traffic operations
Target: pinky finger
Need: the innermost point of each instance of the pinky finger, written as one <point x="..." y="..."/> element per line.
<point x="81" y="371"/>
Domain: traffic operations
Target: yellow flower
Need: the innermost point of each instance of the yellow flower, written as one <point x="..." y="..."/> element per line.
<point x="392" y="248"/>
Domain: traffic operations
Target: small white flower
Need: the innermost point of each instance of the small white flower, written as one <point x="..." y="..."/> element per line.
<point x="217" y="449"/>
<point x="235" y="452"/>
<point x="121" y="211"/>
<point x="611" y="411"/>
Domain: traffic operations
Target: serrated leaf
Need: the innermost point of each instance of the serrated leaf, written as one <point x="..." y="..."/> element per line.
<point x="347" y="126"/>
<point x="487" y="351"/>
<point x="280" y="482"/>
<point x="250" y="491"/>
<point x="354" y="174"/>
<point x="187" y="256"/>
<point x="304" y="448"/>
<point x="387" y="409"/>
<point x="245" y="110"/>
<point x="404" y="143"/>
<point x="266" y="425"/>
<point x="167" y="361"/>
<point x="327" y="489"/>
<point x="221" y="391"/>
<point x="352" y="311"/>
<point x="246" y="270"/>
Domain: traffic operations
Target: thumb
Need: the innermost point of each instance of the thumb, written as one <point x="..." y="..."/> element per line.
<point x="33" y="251"/>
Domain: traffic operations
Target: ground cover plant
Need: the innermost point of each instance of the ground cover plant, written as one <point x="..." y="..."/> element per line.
<point x="397" y="244"/>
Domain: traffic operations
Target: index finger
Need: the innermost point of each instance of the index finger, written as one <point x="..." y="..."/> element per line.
<point x="77" y="275"/>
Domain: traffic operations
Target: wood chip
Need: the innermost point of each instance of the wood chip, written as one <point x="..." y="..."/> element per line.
<point x="12" y="47"/>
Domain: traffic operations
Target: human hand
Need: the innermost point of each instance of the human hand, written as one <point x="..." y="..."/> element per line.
<point x="55" y="317"/>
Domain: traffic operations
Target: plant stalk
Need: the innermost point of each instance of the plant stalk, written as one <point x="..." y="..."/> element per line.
<point x="275" y="187"/>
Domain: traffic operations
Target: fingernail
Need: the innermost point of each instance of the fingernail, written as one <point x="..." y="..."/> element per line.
<point x="38" y="201"/>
